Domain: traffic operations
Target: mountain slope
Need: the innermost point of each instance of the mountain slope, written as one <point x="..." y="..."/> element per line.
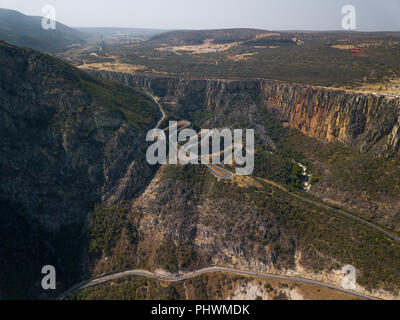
<point x="351" y="149"/>
<point x="123" y="32"/>
<point x="68" y="141"/>
<point x="192" y="37"/>
<point x="27" y="31"/>
<point x="187" y="219"/>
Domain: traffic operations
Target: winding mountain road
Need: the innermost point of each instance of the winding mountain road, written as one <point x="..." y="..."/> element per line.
<point x="348" y="215"/>
<point x="160" y="107"/>
<point x="225" y="174"/>
<point x="215" y="170"/>
<point x="189" y="275"/>
<point x="222" y="173"/>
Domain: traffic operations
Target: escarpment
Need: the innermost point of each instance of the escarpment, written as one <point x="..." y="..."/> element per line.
<point x="71" y="141"/>
<point x="354" y="146"/>
<point x="363" y="121"/>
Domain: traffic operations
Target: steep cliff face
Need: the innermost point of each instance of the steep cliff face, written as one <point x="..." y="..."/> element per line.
<point x="366" y="122"/>
<point x="187" y="219"/>
<point x="70" y="140"/>
<point x="362" y="121"/>
<point x="64" y="147"/>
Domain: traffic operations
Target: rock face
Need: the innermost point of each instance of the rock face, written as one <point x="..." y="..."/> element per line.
<point x="366" y="122"/>
<point x="62" y="149"/>
<point x="362" y="121"/>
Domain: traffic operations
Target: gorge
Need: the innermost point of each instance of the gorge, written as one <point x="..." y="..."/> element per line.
<point x="77" y="192"/>
<point x="365" y="121"/>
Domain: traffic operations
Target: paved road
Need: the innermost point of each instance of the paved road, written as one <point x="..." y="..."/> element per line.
<point x="338" y="211"/>
<point x="160" y="107"/>
<point x="222" y="173"/>
<point x="348" y="215"/>
<point x="225" y="174"/>
<point x="215" y="170"/>
<point x="189" y="275"/>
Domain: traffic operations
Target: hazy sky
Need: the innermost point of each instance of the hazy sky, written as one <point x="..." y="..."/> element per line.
<point x="372" y="15"/>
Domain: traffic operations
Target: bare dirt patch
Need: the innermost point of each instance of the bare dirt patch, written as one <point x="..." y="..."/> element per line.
<point x="241" y="57"/>
<point x="207" y="47"/>
<point x="389" y="87"/>
<point x="113" y="66"/>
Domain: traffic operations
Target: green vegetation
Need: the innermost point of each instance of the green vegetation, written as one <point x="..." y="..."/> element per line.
<point x="113" y="239"/>
<point x="105" y="229"/>
<point x="173" y="258"/>
<point x="166" y="256"/>
<point x="131" y="289"/>
<point x="190" y="174"/>
<point x="281" y="296"/>
<point x="212" y="286"/>
<point x="139" y="110"/>
<point x="266" y="222"/>
<point x="63" y="147"/>
<point x="200" y="285"/>
<point x="353" y="176"/>
<point x="186" y="254"/>
<point x="294" y="225"/>
<point x="371" y="182"/>
<point x="193" y="37"/>
<point x="368" y="57"/>
<point x="278" y="168"/>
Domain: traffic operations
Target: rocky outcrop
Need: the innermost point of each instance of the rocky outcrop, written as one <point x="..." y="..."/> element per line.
<point x="366" y="122"/>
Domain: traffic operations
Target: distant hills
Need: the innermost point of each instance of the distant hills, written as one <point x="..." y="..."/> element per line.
<point x="22" y="30"/>
<point x="195" y="37"/>
<point x="131" y="32"/>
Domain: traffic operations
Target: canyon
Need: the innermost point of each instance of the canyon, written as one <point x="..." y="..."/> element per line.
<point x="368" y="125"/>
<point x="77" y="192"/>
<point x="368" y="122"/>
<point x="181" y="213"/>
